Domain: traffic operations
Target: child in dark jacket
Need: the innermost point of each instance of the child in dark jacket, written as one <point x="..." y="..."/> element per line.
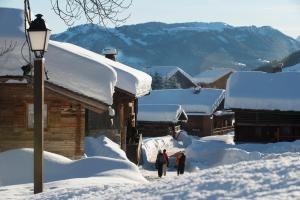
<point x="159" y="163"/>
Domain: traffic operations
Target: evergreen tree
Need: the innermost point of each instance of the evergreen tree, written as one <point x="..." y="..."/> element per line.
<point x="157" y="81"/>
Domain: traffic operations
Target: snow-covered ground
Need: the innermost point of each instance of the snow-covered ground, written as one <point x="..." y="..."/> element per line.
<point x="216" y="169"/>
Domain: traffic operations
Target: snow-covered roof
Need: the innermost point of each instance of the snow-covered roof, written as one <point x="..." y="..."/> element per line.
<point x="294" y="68"/>
<point x="212" y="75"/>
<point x="161" y="113"/>
<point x="263" y="91"/>
<point x="168" y="71"/>
<point x="129" y="79"/>
<point x="204" y="101"/>
<point x="76" y="69"/>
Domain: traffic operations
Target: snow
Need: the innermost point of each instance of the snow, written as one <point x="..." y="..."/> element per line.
<point x="199" y="27"/>
<point x="263" y="60"/>
<point x="103" y="146"/>
<point x="220" y="170"/>
<point x="212" y="75"/>
<point x="240" y="64"/>
<point x="263" y="91"/>
<point x="17" y="167"/>
<point x="205" y="101"/>
<point x="151" y="146"/>
<point x="160" y="113"/>
<point x="129" y="79"/>
<point x="76" y="69"/>
<point x="294" y="68"/>
<point x="122" y="36"/>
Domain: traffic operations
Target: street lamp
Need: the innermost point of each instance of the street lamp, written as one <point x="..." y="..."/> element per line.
<point x="38" y="35"/>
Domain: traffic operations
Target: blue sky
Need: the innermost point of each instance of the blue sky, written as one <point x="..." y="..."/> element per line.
<point x="281" y="14"/>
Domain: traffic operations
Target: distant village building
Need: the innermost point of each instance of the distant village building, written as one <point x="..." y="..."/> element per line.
<point x="203" y="107"/>
<point x="73" y="85"/>
<point x="172" y="77"/>
<point x="214" y="78"/>
<point x="160" y="120"/>
<point x="266" y="106"/>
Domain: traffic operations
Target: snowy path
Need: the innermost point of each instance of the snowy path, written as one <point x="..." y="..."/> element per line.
<point x="275" y="177"/>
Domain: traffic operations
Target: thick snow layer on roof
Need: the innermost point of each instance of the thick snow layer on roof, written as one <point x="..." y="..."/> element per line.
<point x="160" y="113"/>
<point x="168" y="71"/>
<point x="294" y="68"/>
<point x="205" y="101"/>
<point x="212" y="75"/>
<point x="129" y="79"/>
<point x="263" y="91"/>
<point x="76" y="69"/>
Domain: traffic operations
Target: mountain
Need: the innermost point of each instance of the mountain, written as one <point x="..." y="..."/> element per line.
<point x="277" y="65"/>
<point x="192" y="46"/>
<point x="298" y="38"/>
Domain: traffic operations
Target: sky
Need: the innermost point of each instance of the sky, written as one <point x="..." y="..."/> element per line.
<point x="280" y="14"/>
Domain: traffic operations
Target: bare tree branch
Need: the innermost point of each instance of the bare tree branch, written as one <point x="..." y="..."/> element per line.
<point x="5" y="49"/>
<point x="95" y="11"/>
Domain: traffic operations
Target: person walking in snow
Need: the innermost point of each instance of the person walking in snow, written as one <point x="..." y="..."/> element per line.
<point x="181" y="164"/>
<point x="159" y="163"/>
<point x="166" y="162"/>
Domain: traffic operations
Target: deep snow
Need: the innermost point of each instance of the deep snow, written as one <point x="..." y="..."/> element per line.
<point x="273" y="178"/>
<point x="216" y="169"/>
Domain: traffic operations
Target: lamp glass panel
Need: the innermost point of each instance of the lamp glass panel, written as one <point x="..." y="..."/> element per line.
<point x="37" y="40"/>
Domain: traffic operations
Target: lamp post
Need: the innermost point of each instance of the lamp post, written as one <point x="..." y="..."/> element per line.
<point x="38" y="35"/>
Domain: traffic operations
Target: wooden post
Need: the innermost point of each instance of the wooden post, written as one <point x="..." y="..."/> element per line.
<point x="38" y="124"/>
<point x="122" y="127"/>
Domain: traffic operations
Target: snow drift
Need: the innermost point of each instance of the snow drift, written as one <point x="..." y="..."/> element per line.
<point x="16" y="167"/>
<point x="103" y="146"/>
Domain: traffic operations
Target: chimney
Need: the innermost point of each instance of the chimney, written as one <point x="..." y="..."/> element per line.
<point x="110" y="53"/>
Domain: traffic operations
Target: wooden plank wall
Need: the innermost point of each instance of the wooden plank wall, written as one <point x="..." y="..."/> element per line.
<point x="266" y="126"/>
<point x="156" y="129"/>
<point x="64" y="134"/>
<point x="125" y="107"/>
<point x="199" y="125"/>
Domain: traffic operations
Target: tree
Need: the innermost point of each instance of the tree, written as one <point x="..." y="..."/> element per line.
<point x="95" y="11"/>
<point x="7" y="48"/>
<point x="157" y="81"/>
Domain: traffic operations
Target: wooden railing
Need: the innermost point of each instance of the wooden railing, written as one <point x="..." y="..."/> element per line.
<point x="223" y="130"/>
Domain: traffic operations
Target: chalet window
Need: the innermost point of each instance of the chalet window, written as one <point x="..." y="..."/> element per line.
<point x="30" y="116"/>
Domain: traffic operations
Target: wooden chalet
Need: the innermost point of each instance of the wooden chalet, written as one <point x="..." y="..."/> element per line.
<point x="76" y="81"/>
<point x="214" y="78"/>
<point x="160" y="120"/>
<point x="201" y="107"/>
<point x="266" y="106"/>
<point x="131" y="85"/>
<point x="173" y="74"/>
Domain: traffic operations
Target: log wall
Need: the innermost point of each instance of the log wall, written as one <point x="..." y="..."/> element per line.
<point x="155" y="129"/>
<point x="198" y="125"/>
<point x="125" y="106"/>
<point x="64" y="133"/>
<point x="266" y="126"/>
